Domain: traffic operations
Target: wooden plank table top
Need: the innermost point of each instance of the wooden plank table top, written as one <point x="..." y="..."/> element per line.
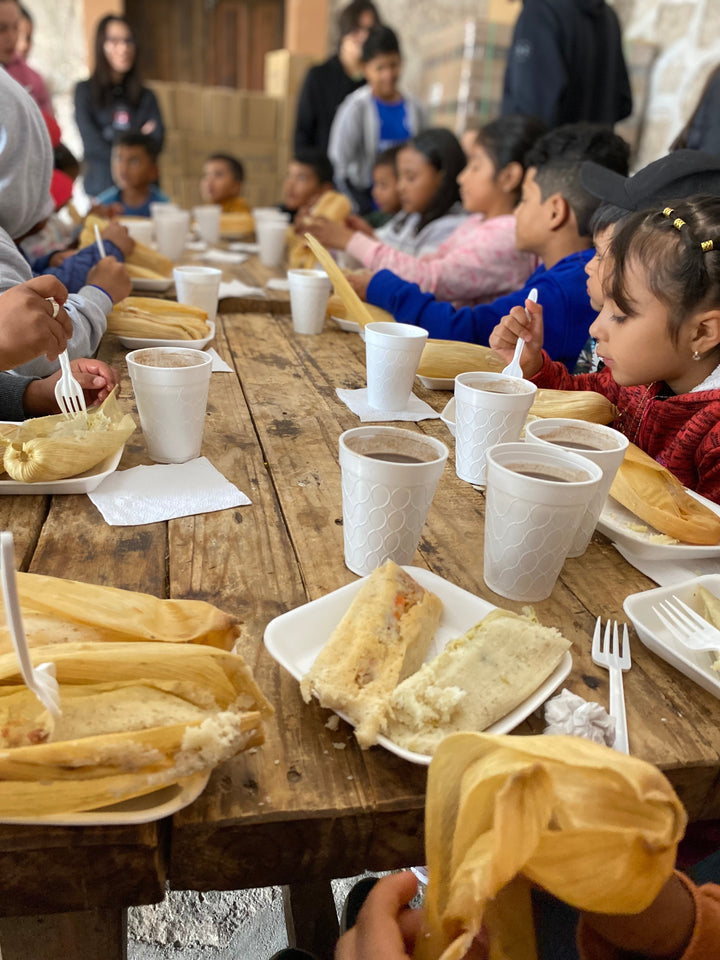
<point x="309" y="804"/>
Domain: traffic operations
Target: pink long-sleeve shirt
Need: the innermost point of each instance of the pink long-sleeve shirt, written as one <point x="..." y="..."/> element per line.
<point x="30" y="79"/>
<point x="477" y="263"/>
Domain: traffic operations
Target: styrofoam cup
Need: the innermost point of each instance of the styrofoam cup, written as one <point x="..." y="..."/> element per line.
<point x="171" y="387"/>
<point x="139" y="228"/>
<point x="309" y="294"/>
<point x="158" y="207"/>
<point x="392" y="355"/>
<point x="531" y="521"/>
<point x="484" y="416"/>
<point x="271" y="237"/>
<point x="199" y="287"/>
<point x="385" y="503"/>
<point x="269" y="213"/>
<point x="171" y="228"/>
<point x="608" y="448"/>
<point x="207" y="221"/>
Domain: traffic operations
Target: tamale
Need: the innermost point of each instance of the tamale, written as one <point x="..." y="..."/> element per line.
<point x="151" y="318"/>
<point x="241" y="222"/>
<point x="55" y="447"/>
<point x="336" y="308"/>
<point x="445" y="359"/>
<point x="657" y="497"/>
<point x="594" y="827"/>
<point x="331" y="206"/>
<point x="575" y="405"/>
<point x="141" y="256"/>
<point x="356" y="309"/>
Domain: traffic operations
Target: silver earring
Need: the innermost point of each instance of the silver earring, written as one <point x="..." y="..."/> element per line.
<point x="696" y="355"/>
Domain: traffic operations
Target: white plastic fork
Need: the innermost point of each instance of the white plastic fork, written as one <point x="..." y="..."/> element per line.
<point x="513" y="369"/>
<point x="68" y="392"/>
<point x="41" y="679"/>
<point x="686" y="625"/>
<point x="606" y="653"/>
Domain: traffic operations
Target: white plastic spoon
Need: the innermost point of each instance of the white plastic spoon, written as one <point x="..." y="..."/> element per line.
<point x="513" y="369"/>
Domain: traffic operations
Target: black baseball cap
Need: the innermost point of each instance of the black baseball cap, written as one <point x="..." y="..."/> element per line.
<point x="680" y="174"/>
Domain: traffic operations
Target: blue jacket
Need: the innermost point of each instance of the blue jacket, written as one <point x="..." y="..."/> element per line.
<point x="73" y="271"/>
<point x="114" y="195"/>
<point x="561" y="292"/>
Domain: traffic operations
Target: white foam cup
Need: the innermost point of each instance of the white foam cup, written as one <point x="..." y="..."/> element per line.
<point x="489" y="408"/>
<point x="309" y="293"/>
<point x="198" y="287"/>
<point x="392" y="356"/>
<point x="139" y="228"/>
<point x="158" y="207"/>
<point x="385" y="503"/>
<point x="271" y="236"/>
<point x="607" y="449"/>
<point x="207" y="221"/>
<point x="171" y="229"/>
<point x="171" y="387"/>
<point x="531" y="520"/>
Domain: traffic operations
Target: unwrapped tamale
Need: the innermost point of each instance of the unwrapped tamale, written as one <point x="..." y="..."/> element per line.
<point x="150" y="318"/>
<point x="56" y="447"/>
<point x="658" y="498"/>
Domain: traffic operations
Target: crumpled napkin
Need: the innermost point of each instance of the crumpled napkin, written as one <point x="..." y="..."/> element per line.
<point x="236" y="288"/>
<point x="224" y="256"/>
<point x="666" y="573"/>
<point x="357" y="401"/>
<point x="163" y="492"/>
<point x="218" y="364"/>
<point x="569" y="713"/>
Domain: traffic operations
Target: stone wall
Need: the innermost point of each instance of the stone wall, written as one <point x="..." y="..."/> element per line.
<point x="687" y="33"/>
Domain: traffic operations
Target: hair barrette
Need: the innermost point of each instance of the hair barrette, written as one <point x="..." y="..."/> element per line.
<point x="706" y="246"/>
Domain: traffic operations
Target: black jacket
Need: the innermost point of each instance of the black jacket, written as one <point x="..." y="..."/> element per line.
<point x="324" y="89"/>
<point x="98" y="127"/>
<point x="566" y="64"/>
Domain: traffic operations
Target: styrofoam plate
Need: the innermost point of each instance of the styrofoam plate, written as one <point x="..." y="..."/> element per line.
<point x="137" y="343"/>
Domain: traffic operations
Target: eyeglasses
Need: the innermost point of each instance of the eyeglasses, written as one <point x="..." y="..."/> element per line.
<point x="120" y="41"/>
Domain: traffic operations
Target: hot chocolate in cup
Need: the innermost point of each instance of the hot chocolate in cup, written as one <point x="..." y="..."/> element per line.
<point x="603" y="445"/>
<point x="171" y="387"/>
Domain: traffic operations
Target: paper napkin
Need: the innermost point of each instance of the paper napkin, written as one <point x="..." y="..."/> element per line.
<point x="163" y="492"/>
<point x="218" y="364"/>
<point x="668" y="572"/>
<point x="570" y="714"/>
<point x="278" y="283"/>
<point x="236" y="288"/>
<point x="241" y="247"/>
<point x="224" y="256"/>
<point x="357" y="401"/>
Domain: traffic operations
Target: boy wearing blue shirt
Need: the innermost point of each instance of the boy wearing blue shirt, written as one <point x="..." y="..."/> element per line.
<point x="552" y="221"/>
<point x="134" y="170"/>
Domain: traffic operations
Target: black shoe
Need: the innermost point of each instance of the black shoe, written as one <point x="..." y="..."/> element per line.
<point x="292" y="953"/>
<point x="354" y="901"/>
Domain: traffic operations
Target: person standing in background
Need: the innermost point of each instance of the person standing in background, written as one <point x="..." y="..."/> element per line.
<point x="327" y="84"/>
<point x="702" y="131"/>
<point x="566" y="64"/>
<point x="13" y="59"/>
<point x="113" y="101"/>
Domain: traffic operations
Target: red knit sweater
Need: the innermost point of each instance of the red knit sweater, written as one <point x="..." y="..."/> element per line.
<point x="681" y="432"/>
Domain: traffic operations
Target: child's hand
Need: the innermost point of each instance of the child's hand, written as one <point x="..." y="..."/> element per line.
<point x="359" y="281"/>
<point x="118" y="234"/>
<point x="27" y="326"/>
<point x="518" y="324"/>
<point x="386" y="929"/>
<point x="335" y="236"/>
<point x="359" y="224"/>
<point x="60" y="256"/>
<point x="112" y="277"/>
<point x="107" y="210"/>
<point x="96" y="378"/>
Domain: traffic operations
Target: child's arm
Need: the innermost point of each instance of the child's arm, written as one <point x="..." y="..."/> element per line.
<point x="346" y="146"/>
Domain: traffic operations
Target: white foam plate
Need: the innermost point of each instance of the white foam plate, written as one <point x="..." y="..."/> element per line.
<point x="137" y="343"/>
<point x="151" y="285"/>
<point x="245" y="247"/>
<point x="436" y="383"/>
<point x="153" y="806"/>
<point x="349" y="326"/>
<point x="695" y="664"/>
<point x="448" y="415"/>
<point x="615" y="522"/>
<point x="295" y="638"/>
<point x="82" y="483"/>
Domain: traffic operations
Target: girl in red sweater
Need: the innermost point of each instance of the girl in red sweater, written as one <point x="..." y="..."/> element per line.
<point x="658" y="335"/>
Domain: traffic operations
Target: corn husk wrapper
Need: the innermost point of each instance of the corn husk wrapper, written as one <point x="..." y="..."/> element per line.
<point x="157" y="319"/>
<point x="55" y="447"/>
<point x="356" y="309"/>
<point x="336" y="308"/>
<point x="152" y="264"/>
<point x="594" y="827"/>
<point x="575" y="405"/>
<point x="332" y="206"/>
<point x="137" y="714"/>
<point x="657" y="497"/>
<point x="240" y="222"/>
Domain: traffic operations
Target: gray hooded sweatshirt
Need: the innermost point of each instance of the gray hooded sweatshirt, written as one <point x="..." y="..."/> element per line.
<point x="26" y="162"/>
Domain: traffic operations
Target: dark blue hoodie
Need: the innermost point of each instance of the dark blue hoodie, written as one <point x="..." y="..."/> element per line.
<point x="566" y="64"/>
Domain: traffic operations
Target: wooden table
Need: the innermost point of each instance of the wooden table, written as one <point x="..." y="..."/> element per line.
<point x="299" y="810"/>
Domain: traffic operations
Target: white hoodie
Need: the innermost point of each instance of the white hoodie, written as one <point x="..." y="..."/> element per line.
<point x="26" y="162"/>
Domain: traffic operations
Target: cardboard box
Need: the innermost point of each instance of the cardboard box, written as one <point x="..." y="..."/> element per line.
<point x="164" y="92"/>
<point x="262" y="116"/>
<point x="224" y="111"/>
<point x="188" y="107"/>
<point x="285" y="72"/>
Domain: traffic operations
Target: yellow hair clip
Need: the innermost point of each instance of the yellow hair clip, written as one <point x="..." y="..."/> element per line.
<point x="706" y="246"/>
<point x="678" y="224"/>
<point x="668" y="212"/>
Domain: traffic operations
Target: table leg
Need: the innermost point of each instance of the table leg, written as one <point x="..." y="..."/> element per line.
<point x="311" y="918"/>
<point x="85" y="935"/>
